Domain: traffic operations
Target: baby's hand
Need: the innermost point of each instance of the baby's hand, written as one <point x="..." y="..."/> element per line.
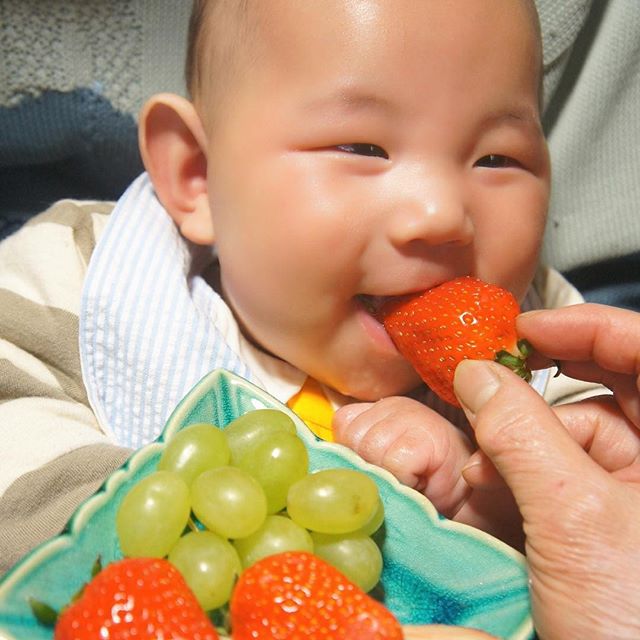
<point x="426" y="452"/>
<point x="418" y="446"/>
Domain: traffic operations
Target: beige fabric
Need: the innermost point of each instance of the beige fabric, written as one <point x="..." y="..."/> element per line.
<point x="38" y="505"/>
<point x="54" y="453"/>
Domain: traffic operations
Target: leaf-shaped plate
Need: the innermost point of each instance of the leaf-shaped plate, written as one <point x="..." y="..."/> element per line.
<point x="435" y="570"/>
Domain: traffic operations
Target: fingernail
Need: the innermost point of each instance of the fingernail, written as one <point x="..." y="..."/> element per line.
<point x="475" y="383"/>
<point x="349" y="412"/>
<point x="533" y="312"/>
<point x="469" y="472"/>
<point x="474" y="461"/>
<point x="479" y="472"/>
<point x="472" y="469"/>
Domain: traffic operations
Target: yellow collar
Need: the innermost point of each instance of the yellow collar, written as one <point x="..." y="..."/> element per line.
<point x="313" y="407"/>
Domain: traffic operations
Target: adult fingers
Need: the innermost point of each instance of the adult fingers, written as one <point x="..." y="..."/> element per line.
<point x="607" y="335"/>
<point x="625" y="388"/>
<point x="480" y="473"/>
<point x="521" y="435"/>
<point x="596" y="424"/>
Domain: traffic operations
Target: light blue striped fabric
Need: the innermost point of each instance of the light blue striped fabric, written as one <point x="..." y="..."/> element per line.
<point x="150" y="329"/>
<point x="147" y="328"/>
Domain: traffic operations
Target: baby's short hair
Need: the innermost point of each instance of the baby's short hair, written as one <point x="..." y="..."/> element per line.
<point x="223" y="31"/>
<point x="218" y="30"/>
<point x="195" y="41"/>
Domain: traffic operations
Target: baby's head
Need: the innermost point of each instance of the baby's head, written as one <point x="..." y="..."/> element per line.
<point x="344" y="151"/>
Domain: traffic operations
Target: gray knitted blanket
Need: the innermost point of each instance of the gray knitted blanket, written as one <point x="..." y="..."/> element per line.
<point x="123" y="50"/>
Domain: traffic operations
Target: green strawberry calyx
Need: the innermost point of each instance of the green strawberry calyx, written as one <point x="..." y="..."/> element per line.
<point x="517" y="362"/>
<point x="46" y="615"/>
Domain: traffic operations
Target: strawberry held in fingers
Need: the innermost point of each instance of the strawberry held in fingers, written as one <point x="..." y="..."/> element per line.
<point x="464" y="318"/>
<point x="135" y="598"/>
<point x="296" y="595"/>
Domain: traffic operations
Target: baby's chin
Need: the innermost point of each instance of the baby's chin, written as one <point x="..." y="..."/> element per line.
<point x="371" y="387"/>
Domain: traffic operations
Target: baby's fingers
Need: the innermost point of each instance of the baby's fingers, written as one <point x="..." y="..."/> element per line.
<point x="419" y="447"/>
<point x="346" y="429"/>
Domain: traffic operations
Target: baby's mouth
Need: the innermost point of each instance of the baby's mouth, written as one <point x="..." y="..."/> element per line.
<point x="376" y="306"/>
<point x="373" y="304"/>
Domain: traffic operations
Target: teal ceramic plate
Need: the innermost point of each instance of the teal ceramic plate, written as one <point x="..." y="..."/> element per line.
<point x="435" y="571"/>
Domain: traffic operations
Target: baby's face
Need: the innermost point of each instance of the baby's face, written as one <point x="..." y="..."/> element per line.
<point x="375" y="148"/>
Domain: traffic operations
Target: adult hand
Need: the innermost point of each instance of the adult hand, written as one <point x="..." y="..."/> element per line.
<point x="574" y="471"/>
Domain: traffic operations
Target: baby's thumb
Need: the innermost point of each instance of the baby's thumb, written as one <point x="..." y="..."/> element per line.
<point x="520" y="434"/>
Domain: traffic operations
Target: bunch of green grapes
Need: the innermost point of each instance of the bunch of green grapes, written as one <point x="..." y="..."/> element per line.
<point x="222" y="499"/>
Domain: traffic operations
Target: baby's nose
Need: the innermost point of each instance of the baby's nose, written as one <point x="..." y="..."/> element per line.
<point x="436" y="213"/>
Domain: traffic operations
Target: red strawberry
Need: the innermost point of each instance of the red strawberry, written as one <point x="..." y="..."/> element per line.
<point x="462" y="318"/>
<point x="135" y="598"/>
<point x="296" y="595"/>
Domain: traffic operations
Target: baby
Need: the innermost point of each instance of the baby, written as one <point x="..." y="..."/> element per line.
<point x="334" y="153"/>
<point x="343" y="152"/>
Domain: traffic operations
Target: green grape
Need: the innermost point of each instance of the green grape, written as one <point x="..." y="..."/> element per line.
<point x="333" y="500"/>
<point x="209" y="564"/>
<point x="354" y="554"/>
<point x="229" y="501"/>
<point x="277" y="534"/>
<point x="375" y="522"/>
<point x="153" y="514"/>
<point x="245" y="430"/>
<point x="276" y="462"/>
<point x="195" y="449"/>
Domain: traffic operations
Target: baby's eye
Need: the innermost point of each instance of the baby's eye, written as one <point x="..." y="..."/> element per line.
<point x="364" y="149"/>
<point x="497" y="161"/>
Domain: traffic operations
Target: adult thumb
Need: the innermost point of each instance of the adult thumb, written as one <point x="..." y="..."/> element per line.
<point x="521" y="435"/>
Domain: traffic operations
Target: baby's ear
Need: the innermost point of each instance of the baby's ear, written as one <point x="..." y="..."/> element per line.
<point x="173" y="147"/>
